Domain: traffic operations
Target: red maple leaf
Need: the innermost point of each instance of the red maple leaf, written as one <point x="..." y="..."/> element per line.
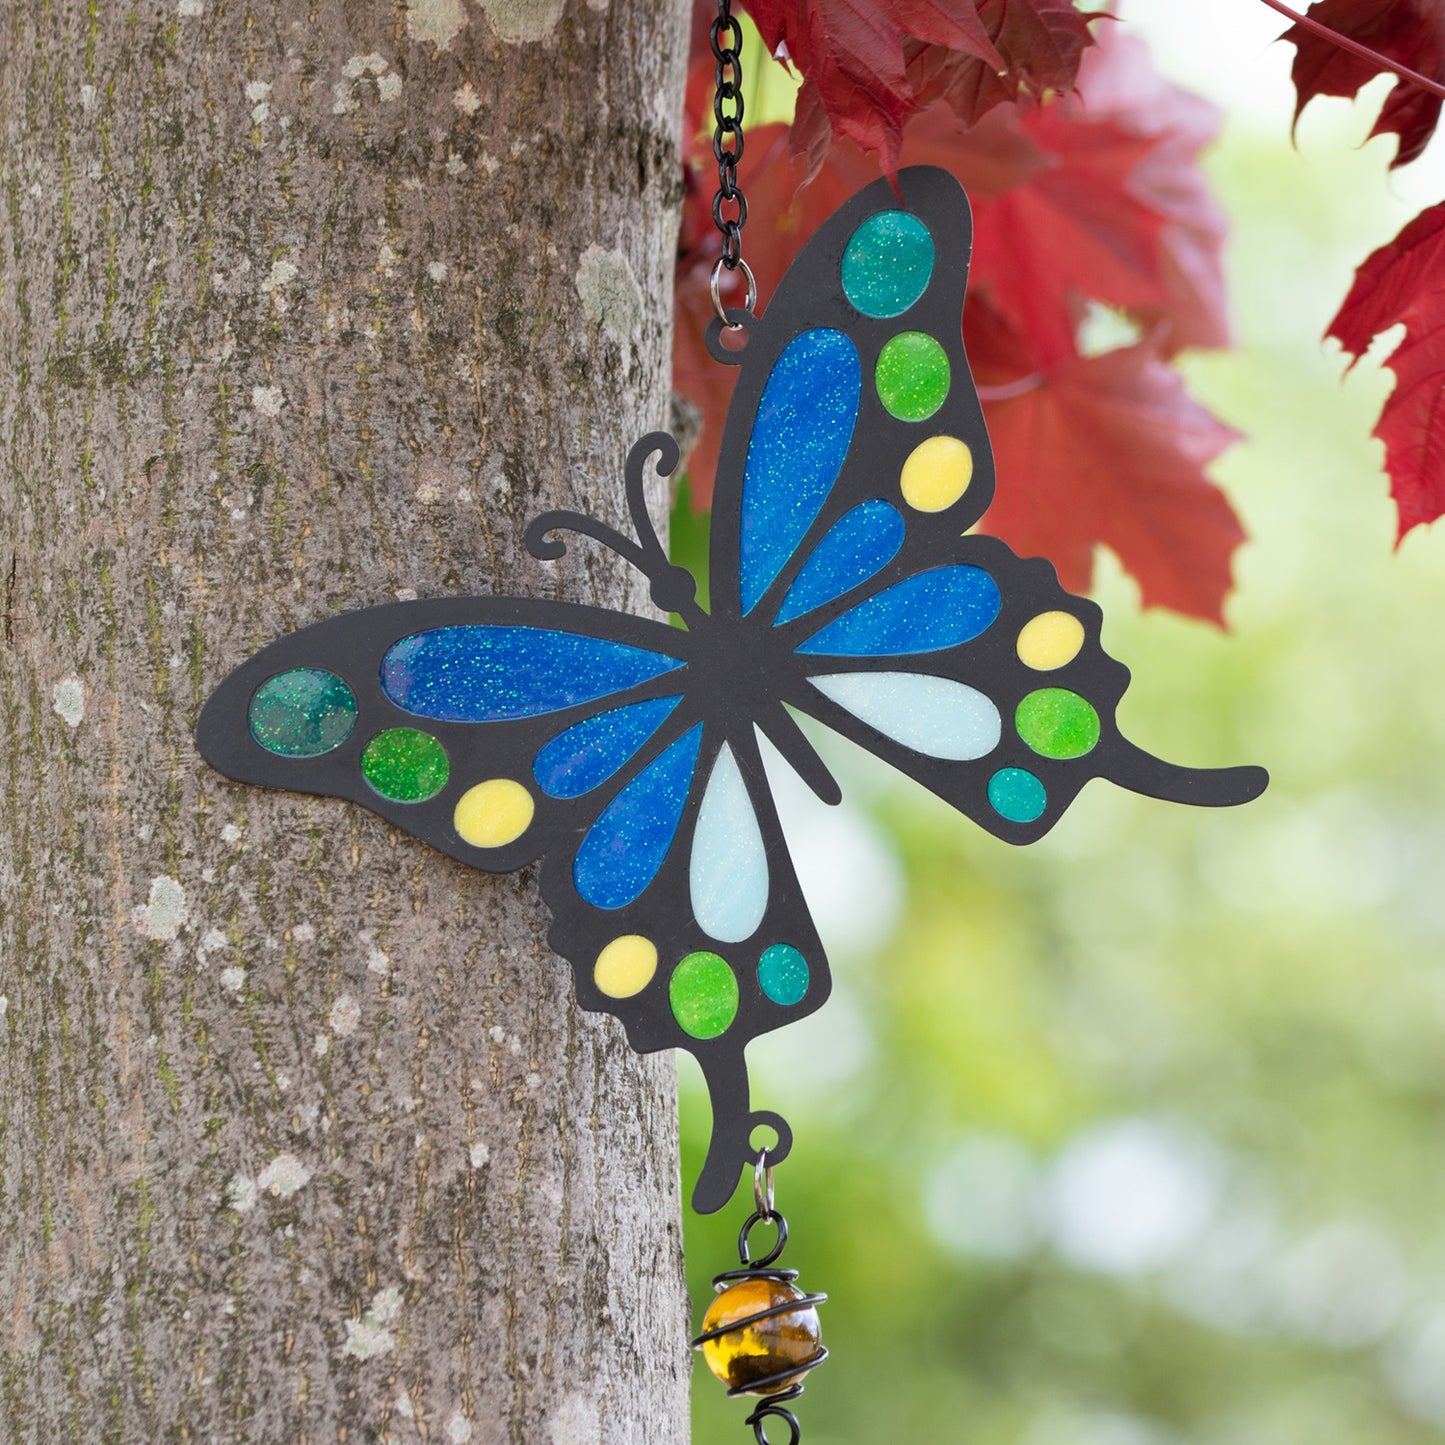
<point x="1106" y="449"/>
<point x="852" y="52"/>
<point x="1403" y="283"/>
<point x="869" y="65"/>
<point x="1041" y="42"/>
<point x="1409" y="32"/>
<point x="1120" y="214"/>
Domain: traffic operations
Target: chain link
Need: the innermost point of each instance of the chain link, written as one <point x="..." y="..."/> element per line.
<point x="729" y="205"/>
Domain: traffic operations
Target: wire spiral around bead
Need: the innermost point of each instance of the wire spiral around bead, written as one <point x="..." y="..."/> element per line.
<point x="787" y="1384"/>
<point x="774" y="1407"/>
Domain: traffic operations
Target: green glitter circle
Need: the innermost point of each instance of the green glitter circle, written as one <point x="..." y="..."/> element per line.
<point x="783" y="974"/>
<point x="912" y="376"/>
<point x="888" y="263"/>
<point x="405" y="765"/>
<point x="302" y="713"/>
<point x="1057" y="723"/>
<point x="703" y="992"/>
<point x="1017" y="795"/>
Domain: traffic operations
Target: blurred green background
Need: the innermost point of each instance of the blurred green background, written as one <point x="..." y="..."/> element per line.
<point x="1137" y="1136"/>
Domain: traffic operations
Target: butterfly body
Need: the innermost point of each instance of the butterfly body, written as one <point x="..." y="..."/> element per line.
<point x="628" y="754"/>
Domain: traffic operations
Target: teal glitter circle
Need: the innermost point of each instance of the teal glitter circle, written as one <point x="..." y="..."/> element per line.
<point x="302" y="713"/>
<point x="783" y="974"/>
<point x="888" y="263"/>
<point x="1017" y="795"/>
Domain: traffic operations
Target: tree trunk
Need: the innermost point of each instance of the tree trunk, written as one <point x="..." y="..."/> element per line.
<point x="304" y="307"/>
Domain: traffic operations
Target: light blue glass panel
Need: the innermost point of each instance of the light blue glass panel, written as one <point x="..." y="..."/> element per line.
<point x="856" y="547"/>
<point x="801" y="435"/>
<point x="728" y="873"/>
<point x="924" y="613"/>
<point x="577" y="760"/>
<point x="481" y="673"/>
<point x="626" y="846"/>
<point x="931" y="715"/>
<point x="887" y="265"/>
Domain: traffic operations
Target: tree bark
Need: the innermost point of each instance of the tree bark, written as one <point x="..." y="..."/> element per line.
<point x="304" y="307"/>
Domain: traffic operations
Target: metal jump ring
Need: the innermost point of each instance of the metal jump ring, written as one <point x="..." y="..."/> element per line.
<point x="752" y="293"/>
<point x="763" y="1184"/>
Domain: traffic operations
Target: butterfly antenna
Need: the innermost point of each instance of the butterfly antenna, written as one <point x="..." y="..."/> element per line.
<point x="674" y="589"/>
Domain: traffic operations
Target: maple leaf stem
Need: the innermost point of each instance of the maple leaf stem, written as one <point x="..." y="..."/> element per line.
<point x="1355" y="48"/>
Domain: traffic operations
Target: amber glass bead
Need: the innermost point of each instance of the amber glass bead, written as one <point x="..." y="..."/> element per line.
<point x="781" y="1344"/>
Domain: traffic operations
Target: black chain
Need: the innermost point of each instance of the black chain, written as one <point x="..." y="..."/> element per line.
<point x="727" y="142"/>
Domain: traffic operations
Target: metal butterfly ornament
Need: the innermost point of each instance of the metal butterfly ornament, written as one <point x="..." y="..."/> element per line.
<point x="626" y="753"/>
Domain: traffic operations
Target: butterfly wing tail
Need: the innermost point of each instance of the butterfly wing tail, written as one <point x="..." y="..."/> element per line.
<point x="1141" y="772"/>
<point x="734" y="1122"/>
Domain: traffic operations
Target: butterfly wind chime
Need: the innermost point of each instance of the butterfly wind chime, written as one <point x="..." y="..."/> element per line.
<point x="626" y="754"/>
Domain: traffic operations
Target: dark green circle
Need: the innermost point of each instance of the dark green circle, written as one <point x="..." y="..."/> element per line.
<point x="302" y="713"/>
<point x="1057" y="723"/>
<point x="912" y="375"/>
<point x="406" y="765"/>
<point x="703" y="992"/>
<point x="1017" y="795"/>
<point x="888" y="263"/>
<point x="783" y="974"/>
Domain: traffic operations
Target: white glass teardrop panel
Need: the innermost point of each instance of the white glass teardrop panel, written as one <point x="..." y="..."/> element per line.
<point x="728" y="873"/>
<point x="932" y="715"/>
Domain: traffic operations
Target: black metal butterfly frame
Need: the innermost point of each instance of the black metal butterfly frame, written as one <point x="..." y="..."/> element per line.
<point x="736" y="673"/>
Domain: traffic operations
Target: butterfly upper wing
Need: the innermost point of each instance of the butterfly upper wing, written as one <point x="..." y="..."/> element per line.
<point x="855" y="458"/>
<point x="437" y="715"/>
<point x="809" y="436"/>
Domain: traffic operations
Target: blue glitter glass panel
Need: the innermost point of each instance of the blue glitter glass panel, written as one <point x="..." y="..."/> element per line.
<point x="480" y="673"/>
<point x="625" y="847"/>
<point x="858" y="545"/>
<point x="888" y="263"/>
<point x="577" y="760"/>
<point x="925" y="613"/>
<point x="800" y="438"/>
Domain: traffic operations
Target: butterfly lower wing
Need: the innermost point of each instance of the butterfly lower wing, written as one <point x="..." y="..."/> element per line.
<point x="974" y="672"/>
<point x="718" y="949"/>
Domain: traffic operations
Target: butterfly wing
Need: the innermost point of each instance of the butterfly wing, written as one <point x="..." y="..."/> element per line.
<point x="855" y="459"/>
<point x="434" y="715"/>
<point x="501" y="730"/>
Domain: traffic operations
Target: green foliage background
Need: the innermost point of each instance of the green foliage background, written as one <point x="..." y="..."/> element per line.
<point x="1135" y="1137"/>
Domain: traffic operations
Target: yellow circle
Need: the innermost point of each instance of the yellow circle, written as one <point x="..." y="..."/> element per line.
<point x="493" y="813"/>
<point x="1050" y="640"/>
<point x="625" y="966"/>
<point x="936" y="474"/>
